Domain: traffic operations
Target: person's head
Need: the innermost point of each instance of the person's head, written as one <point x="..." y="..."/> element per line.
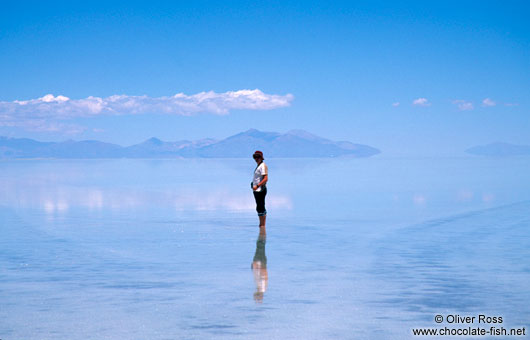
<point x="258" y="156"/>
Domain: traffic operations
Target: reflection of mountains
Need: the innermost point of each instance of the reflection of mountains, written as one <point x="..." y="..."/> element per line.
<point x="295" y="143"/>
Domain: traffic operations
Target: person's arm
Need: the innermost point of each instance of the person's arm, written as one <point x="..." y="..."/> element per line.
<point x="265" y="177"/>
<point x="264" y="180"/>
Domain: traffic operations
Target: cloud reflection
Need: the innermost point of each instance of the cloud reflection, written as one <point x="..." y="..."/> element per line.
<point x="54" y="198"/>
<point x="419" y="199"/>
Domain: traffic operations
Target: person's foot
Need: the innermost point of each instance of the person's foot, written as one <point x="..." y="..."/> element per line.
<point x="262" y="220"/>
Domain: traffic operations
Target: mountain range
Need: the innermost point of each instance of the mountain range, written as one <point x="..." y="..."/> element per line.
<point x="294" y="143"/>
<point x="499" y="149"/>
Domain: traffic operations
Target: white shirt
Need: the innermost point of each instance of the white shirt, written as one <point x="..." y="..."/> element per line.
<point x="261" y="170"/>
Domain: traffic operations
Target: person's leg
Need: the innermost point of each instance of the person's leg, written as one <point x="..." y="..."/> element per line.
<point x="258" y="199"/>
<point x="263" y="212"/>
<point x="260" y="207"/>
<point x="262" y="220"/>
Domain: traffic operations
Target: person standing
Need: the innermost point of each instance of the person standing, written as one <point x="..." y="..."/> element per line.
<point x="259" y="187"/>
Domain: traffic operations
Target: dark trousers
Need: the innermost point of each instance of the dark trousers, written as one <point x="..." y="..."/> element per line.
<point x="259" y="196"/>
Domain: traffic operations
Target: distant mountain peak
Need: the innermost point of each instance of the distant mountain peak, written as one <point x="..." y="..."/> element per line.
<point x="254" y="133"/>
<point x="154" y="140"/>
<point x="500" y="149"/>
<point x="303" y="134"/>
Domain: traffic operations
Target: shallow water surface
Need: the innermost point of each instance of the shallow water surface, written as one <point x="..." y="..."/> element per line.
<point x="170" y="249"/>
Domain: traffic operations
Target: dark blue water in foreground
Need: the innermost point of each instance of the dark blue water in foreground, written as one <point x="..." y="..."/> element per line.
<point x="355" y="249"/>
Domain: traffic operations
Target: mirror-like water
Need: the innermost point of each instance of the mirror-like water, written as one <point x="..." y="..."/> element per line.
<point x="170" y="249"/>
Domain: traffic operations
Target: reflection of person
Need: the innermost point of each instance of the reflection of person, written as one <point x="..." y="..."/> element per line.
<point x="259" y="268"/>
<point x="259" y="186"/>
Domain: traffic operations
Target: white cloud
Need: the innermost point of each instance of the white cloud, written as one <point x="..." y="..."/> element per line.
<point x="50" y="98"/>
<point x="396" y="104"/>
<point x="488" y="102"/>
<point x="421" y="102"/>
<point x="463" y="105"/>
<point x="43" y="113"/>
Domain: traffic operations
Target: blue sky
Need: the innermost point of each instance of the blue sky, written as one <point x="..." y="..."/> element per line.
<point x="346" y="65"/>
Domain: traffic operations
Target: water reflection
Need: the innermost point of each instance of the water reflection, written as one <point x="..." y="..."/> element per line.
<point x="55" y="196"/>
<point x="259" y="267"/>
<point x="454" y="263"/>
